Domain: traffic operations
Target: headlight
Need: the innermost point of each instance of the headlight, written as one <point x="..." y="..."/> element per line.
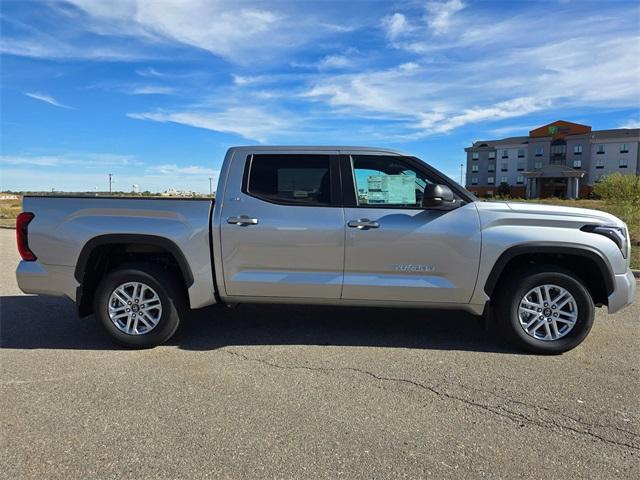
<point x="618" y="235"/>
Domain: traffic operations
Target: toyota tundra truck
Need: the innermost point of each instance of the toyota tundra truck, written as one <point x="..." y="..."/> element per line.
<point x="348" y="226"/>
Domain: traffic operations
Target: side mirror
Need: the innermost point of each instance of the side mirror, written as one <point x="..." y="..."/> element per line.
<point x="439" y="197"/>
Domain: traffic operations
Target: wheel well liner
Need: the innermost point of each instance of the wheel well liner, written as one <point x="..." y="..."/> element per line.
<point x="536" y="249"/>
<point x="159" y="245"/>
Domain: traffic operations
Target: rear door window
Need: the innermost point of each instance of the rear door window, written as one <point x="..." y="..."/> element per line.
<point x="290" y="179"/>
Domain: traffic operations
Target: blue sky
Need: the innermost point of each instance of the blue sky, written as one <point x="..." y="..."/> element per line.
<point x="155" y="91"/>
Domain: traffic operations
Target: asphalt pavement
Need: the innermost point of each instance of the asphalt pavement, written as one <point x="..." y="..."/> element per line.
<point x="307" y="392"/>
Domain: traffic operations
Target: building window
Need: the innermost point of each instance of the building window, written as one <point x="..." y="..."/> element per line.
<point x="624" y="163"/>
<point x="492" y="155"/>
<point x="474" y="168"/>
<point x="492" y="167"/>
<point x="577" y="163"/>
<point x="505" y="167"/>
<point x="475" y="156"/>
<point x="624" y="148"/>
<point x="491" y="180"/>
<point x="539" y="151"/>
<point x="538" y="164"/>
<point x="520" y="180"/>
<point x="600" y="150"/>
<point x="577" y="149"/>
<point x="520" y="166"/>
<point x="521" y="153"/>
<point x="600" y="163"/>
<point x="474" y="180"/>
<point x="504" y="179"/>
<point x="505" y="153"/>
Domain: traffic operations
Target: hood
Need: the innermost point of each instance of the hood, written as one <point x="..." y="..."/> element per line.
<point x="596" y="216"/>
<point x="536" y="209"/>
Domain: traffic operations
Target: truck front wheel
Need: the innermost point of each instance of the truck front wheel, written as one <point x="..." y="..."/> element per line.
<point x="545" y="309"/>
<point x="139" y="305"/>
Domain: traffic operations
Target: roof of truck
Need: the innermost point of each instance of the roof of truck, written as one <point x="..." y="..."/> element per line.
<point x="268" y="148"/>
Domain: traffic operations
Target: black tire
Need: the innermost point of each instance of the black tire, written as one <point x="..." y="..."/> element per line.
<point x="168" y="290"/>
<point x="516" y="287"/>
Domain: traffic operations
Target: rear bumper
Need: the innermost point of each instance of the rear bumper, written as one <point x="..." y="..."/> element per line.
<point x="35" y="277"/>
<point x="623" y="292"/>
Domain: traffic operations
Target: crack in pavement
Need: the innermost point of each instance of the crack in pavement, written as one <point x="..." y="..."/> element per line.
<point x="499" y="410"/>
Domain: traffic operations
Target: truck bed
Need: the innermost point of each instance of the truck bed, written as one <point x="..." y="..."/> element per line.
<point x="65" y="224"/>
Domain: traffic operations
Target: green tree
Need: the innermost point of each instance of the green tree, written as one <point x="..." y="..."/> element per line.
<point x="504" y="190"/>
<point x="619" y="188"/>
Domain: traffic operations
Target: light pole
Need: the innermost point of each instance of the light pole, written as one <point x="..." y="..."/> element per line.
<point x="461" y="174"/>
<point x="211" y="186"/>
<point x="110" y="175"/>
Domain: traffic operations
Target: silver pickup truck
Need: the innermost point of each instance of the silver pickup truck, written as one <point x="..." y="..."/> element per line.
<point x="345" y="226"/>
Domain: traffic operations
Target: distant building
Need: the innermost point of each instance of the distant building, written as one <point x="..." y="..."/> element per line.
<point x="172" y="192"/>
<point x="562" y="159"/>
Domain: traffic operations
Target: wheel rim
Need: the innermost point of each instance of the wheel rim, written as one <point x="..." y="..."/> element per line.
<point x="548" y="312"/>
<point x="135" y="308"/>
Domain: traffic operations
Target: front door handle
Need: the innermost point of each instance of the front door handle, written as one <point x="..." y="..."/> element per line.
<point x="242" y="220"/>
<point x="363" y="224"/>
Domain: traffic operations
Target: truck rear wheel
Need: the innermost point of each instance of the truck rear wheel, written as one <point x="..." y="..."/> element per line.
<point x="545" y="309"/>
<point x="139" y="305"/>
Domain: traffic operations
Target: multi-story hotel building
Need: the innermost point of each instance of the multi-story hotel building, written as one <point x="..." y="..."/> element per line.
<point x="562" y="159"/>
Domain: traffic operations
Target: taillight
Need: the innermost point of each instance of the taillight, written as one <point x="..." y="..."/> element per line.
<point x="22" y="236"/>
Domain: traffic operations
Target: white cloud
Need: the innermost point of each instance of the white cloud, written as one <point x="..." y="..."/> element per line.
<point x="249" y="122"/>
<point x="43" y="97"/>
<point x="83" y="172"/>
<point x="508" y="109"/>
<point x="478" y="77"/>
<point x="630" y="124"/>
<point x="151" y="90"/>
<point x="334" y="62"/>
<point x="173" y="169"/>
<point x="395" y="25"/>
<point x="236" y="31"/>
<point x="440" y="14"/>
<point x="85" y="160"/>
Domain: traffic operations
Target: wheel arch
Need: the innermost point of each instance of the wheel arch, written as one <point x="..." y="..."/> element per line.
<point x="589" y="264"/>
<point x="95" y="259"/>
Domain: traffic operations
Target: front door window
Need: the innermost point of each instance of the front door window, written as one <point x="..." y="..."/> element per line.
<point x="382" y="181"/>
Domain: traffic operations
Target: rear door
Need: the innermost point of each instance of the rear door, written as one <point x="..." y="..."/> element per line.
<point x="395" y="249"/>
<point x="282" y="233"/>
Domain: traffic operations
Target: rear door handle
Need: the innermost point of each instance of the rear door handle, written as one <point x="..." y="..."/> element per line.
<point x="242" y="220"/>
<point x="363" y="224"/>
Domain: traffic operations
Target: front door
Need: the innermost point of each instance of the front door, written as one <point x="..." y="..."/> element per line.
<point x="398" y="251"/>
<point x="283" y="234"/>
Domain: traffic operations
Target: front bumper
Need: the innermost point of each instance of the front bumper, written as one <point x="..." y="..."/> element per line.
<point x="624" y="291"/>
<point x="35" y="277"/>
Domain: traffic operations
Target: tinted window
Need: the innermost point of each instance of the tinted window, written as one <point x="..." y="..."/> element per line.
<point x="296" y="179"/>
<point x="384" y="180"/>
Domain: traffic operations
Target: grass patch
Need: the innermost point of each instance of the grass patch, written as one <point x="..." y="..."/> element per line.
<point x="9" y="210"/>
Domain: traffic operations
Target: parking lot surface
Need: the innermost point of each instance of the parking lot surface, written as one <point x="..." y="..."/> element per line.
<point x="308" y="392"/>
